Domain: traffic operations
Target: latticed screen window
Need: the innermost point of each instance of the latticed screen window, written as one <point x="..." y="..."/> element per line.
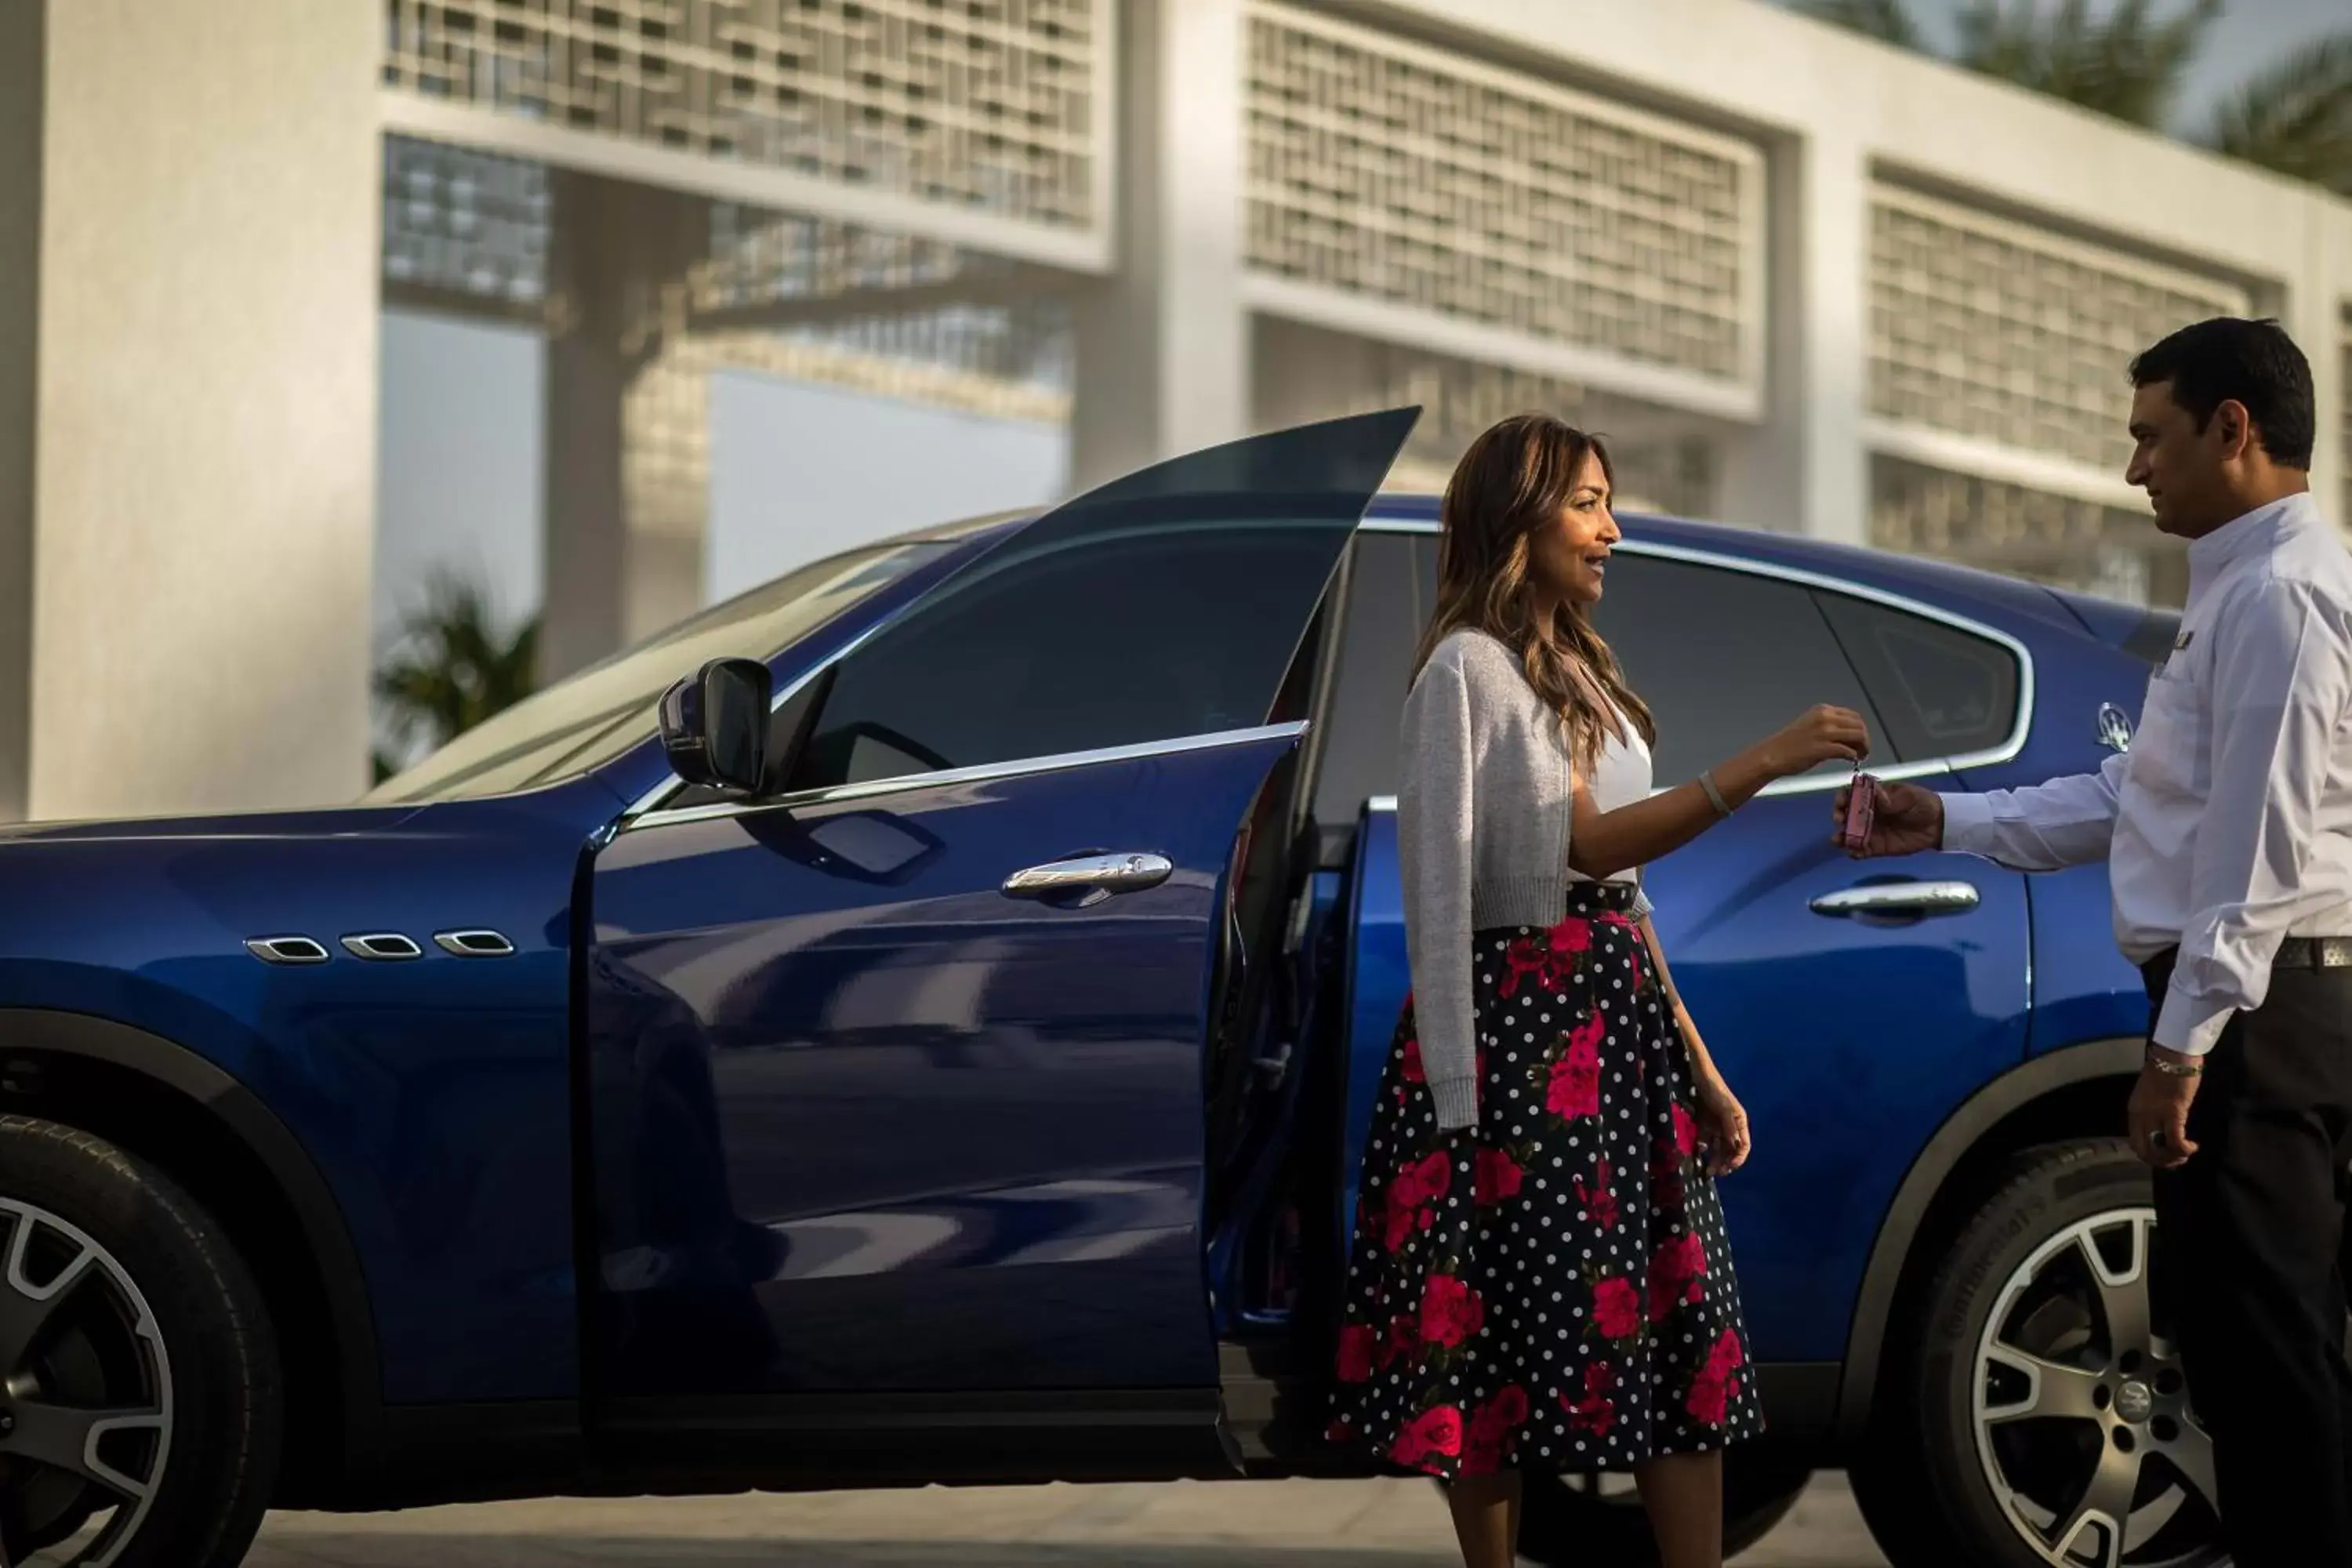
<point x="2059" y="539"/>
<point x="468" y="222"/>
<point x="989" y="104"/>
<point x="1663" y="459"/>
<point x="1390" y="173"/>
<point x="1995" y="330"/>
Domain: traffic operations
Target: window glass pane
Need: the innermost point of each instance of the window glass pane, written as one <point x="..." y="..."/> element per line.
<point x="1105" y="642"/>
<point x="1942" y="692"/>
<point x="1388" y="605"/>
<point x="606" y="710"/>
<point x="1166" y="605"/>
<point x="1722" y="658"/>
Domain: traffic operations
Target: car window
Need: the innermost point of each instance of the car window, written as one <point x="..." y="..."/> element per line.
<point x="606" y="710"/>
<point x="1723" y="657"/>
<point x="1389" y="602"/>
<point x="1167" y="605"/>
<point x="1940" y="691"/>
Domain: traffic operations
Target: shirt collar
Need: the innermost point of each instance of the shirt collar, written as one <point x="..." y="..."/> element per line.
<point x="2247" y="534"/>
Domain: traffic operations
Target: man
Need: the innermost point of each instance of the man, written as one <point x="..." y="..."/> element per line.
<point x="2228" y="832"/>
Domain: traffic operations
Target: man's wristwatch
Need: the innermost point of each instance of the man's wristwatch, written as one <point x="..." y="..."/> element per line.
<point x="2193" y="1068"/>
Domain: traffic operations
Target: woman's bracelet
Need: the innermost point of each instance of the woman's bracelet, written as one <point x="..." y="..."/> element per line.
<point x="1713" y="795"/>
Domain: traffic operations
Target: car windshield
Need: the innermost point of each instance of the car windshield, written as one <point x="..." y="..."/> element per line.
<point x="608" y="709"/>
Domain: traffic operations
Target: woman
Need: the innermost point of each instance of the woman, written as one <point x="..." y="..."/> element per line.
<point x="1539" y="1274"/>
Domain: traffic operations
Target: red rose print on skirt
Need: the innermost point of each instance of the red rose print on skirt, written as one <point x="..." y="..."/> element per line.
<point x="1432" y="1433"/>
<point x="1685" y="1130"/>
<point x="1488" y="1441"/>
<point x="1498" y="1177"/>
<point x="1575" y="1089"/>
<point x="1450" y="1310"/>
<point x="1599" y="1200"/>
<point x="1569" y="937"/>
<point x="1596" y="1412"/>
<point x="1414" y="1071"/>
<point x="1617" y="1308"/>
<point x="1677" y="1274"/>
<point x="1403" y="1341"/>
<point x="1717" y="1382"/>
<point x="1357" y="1342"/>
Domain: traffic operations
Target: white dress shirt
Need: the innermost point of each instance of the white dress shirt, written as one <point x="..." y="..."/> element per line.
<point x="2228" y="826"/>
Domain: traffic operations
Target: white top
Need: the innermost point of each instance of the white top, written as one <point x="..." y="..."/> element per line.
<point x="2228" y="826"/>
<point x="1620" y="777"/>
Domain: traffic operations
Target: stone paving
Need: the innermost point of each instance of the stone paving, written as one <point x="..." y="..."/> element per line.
<point x="1277" y="1525"/>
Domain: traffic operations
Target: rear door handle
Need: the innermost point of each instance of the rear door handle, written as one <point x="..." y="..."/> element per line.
<point x="1899" y="899"/>
<point x="1089" y="877"/>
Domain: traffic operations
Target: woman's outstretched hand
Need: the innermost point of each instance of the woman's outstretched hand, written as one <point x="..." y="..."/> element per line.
<point x="1818" y="735"/>
<point x="1907" y="820"/>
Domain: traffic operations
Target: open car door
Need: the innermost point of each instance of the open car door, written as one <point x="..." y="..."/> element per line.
<point x="899" y="1074"/>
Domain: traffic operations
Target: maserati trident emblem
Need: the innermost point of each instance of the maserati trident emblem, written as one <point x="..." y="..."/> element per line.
<point x="2115" y="728"/>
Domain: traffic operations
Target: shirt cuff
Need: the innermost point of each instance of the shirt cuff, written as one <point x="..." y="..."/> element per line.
<point x="1968" y="823"/>
<point x="1457" y="1102"/>
<point x="2190" y="1024"/>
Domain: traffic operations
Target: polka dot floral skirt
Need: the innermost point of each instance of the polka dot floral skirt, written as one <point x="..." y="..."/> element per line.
<point x="1554" y="1288"/>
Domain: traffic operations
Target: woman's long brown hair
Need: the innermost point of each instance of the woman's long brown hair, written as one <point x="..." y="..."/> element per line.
<point x="1515" y="479"/>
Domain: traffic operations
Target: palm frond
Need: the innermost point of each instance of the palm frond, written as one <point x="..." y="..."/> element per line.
<point x="2296" y="116"/>
<point x="2129" y="62"/>
<point x="452" y="666"/>
<point x="1889" y="21"/>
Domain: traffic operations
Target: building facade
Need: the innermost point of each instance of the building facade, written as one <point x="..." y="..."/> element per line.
<point x="1804" y="283"/>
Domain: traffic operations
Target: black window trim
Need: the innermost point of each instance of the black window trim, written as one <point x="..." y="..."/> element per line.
<point x="981" y="772"/>
<point x="1932" y="767"/>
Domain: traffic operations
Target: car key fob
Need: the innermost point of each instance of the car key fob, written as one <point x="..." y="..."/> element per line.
<point x="1861" y="811"/>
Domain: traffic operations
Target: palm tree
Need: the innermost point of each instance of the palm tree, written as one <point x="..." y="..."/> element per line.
<point x="1888" y="21"/>
<point x="2294" y="118"/>
<point x="450" y="667"/>
<point x="2127" y="63"/>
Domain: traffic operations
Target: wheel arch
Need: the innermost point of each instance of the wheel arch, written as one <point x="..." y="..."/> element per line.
<point x="2071" y="1092"/>
<point x="162" y="1101"/>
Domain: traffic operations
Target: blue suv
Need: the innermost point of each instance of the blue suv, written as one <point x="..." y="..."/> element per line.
<point x="916" y="1022"/>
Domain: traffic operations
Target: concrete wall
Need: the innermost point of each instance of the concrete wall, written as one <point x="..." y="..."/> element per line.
<point x="200" y="387"/>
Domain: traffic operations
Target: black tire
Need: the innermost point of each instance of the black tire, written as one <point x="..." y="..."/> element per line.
<point x="1566" y="1524"/>
<point x="200" y="1362"/>
<point x="2058" y="1254"/>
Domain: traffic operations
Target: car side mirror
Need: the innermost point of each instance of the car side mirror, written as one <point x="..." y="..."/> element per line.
<point x="714" y="726"/>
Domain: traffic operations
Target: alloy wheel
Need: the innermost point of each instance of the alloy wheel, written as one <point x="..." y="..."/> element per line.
<point x="85" y="1391"/>
<point x="2083" y="1420"/>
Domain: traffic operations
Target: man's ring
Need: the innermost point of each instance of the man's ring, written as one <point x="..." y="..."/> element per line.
<point x="2156" y="1139"/>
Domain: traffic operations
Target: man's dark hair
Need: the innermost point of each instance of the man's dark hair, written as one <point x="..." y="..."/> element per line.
<point x="2256" y="363"/>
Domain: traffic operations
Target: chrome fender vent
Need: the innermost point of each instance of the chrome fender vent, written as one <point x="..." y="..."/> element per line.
<point x="286" y="950"/>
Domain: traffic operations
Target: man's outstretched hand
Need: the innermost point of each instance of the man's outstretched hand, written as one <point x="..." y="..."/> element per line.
<point x="1908" y="820"/>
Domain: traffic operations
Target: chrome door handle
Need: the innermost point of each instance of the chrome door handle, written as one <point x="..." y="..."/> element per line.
<point x="1101" y="875"/>
<point x="1899" y="899"/>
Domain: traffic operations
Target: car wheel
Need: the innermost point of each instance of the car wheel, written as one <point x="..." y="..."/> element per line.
<point x="2053" y="1426"/>
<point x="1596" y="1521"/>
<point x="140" y="1409"/>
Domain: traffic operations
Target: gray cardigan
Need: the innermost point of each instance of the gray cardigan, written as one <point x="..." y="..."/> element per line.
<point x="1482" y="834"/>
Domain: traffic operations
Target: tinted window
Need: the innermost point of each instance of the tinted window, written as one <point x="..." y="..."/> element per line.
<point x="1940" y="691"/>
<point x="588" y="719"/>
<point x="1390" y="587"/>
<point x="1166" y="605"/>
<point x="1106" y="643"/>
<point x="1722" y="658"/>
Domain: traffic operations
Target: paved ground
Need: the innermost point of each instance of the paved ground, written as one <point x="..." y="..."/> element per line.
<point x="1277" y="1525"/>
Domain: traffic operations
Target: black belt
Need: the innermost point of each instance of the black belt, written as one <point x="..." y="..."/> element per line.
<point x="2294" y="953"/>
<point x="2314" y="952"/>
